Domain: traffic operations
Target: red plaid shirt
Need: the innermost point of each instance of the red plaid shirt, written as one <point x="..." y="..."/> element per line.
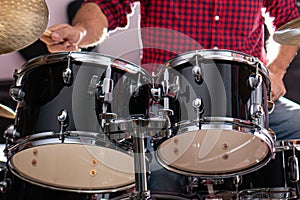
<point x="177" y="26"/>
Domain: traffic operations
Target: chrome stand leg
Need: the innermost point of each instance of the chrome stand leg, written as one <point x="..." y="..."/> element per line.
<point x="142" y="191"/>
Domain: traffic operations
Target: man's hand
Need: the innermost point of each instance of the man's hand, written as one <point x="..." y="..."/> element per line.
<point x="277" y="84"/>
<point x="62" y="38"/>
<point x="89" y="27"/>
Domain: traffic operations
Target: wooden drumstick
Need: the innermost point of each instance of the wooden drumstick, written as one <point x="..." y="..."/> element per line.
<point x="48" y="33"/>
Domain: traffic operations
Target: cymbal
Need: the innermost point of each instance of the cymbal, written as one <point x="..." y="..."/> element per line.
<point x="21" y="23"/>
<point x="6" y="112"/>
<point x="288" y="34"/>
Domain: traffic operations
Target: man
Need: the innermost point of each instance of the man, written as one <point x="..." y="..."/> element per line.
<point x="170" y="28"/>
<point x="209" y="24"/>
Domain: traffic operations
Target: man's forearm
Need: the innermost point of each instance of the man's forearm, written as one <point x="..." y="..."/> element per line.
<point x="281" y="57"/>
<point x="93" y="23"/>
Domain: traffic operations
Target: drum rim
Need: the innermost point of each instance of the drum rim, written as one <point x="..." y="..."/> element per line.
<point x="268" y="192"/>
<point x="218" y="54"/>
<point x="100" y="137"/>
<point x="85" y="57"/>
<point x="283" y="145"/>
<point x="262" y="134"/>
<point x="66" y="189"/>
<point x="248" y="127"/>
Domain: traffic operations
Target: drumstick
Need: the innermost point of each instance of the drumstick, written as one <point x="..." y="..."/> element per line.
<point x="48" y="33"/>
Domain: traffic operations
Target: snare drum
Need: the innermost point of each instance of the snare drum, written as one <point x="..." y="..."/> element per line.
<point x="221" y="100"/>
<point x="61" y="143"/>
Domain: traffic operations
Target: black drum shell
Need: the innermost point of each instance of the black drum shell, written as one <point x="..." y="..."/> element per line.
<point x="46" y="93"/>
<point x="224" y="89"/>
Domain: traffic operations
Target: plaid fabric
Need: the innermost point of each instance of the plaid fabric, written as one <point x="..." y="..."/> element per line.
<point x="173" y="27"/>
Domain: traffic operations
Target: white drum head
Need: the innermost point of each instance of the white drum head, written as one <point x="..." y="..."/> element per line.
<point x="212" y="152"/>
<point x="75" y="167"/>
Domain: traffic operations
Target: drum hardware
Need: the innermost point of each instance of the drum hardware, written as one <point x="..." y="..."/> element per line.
<point x="104" y="95"/>
<point x="233" y="120"/>
<point x="67" y="73"/>
<point x="198" y="105"/>
<point x="141" y="128"/>
<point x="156" y="93"/>
<point x="255" y="81"/>
<point x="17" y="93"/>
<point x="10" y="134"/>
<point x="5" y="184"/>
<point x="211" y="183"/>
<point x="268" y="193"/>
<point x="294" y="166"/>
<point x="256" y="110"/>
<point x="271" y="105"/>
<point x="63" y="119"/>
<point x="138" y="128"/>
<point x="107" y="122"/>
<point x="197" y="72"/>
<point x="208" y="182"/>
<point x="141" y="191"/>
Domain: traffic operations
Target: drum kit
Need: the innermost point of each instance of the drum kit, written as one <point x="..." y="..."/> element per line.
<point x="93" y="124"/>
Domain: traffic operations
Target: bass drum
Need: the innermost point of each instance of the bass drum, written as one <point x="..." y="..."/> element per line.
<point x="61" y="142"/>
<point x="221" y="103"/>
<point x="279" y="179"/>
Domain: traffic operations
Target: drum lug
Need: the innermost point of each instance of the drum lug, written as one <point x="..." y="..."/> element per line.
<point x="107" y="88"/>
<point x="294" y="166"/>
<point x="197" y="72"/>
<point x="67" y="76"/>
<point x="17" y="94"/>
<point x="256" y="111"/>
<point x="106" y="120"/>
<point x="156" y="94"/>
<point x="67" y="73"/>
<point x="198" y="105"/>
<point x="63" y="119"/>
<point x="271" y="106"/>
<point x="11" y="133"/>
<point x="5" y="185"/>
<point x="255" y="81"/>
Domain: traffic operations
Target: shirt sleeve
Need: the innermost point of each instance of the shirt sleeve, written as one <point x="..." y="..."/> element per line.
<point x="116" y="11"/>
<point x="283" y="11"/>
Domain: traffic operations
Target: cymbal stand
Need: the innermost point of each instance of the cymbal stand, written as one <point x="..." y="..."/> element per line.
<point x="10" y="135"/>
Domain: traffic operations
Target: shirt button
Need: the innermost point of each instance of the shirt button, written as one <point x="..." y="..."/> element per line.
<point x="217" y="17"/>
<point x="215" y="47"/>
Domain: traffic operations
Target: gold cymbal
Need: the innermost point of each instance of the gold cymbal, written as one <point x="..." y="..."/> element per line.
<point x="22" y="22"/>
<point x="6" y="112"/>
<point x="288" y="34"/>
